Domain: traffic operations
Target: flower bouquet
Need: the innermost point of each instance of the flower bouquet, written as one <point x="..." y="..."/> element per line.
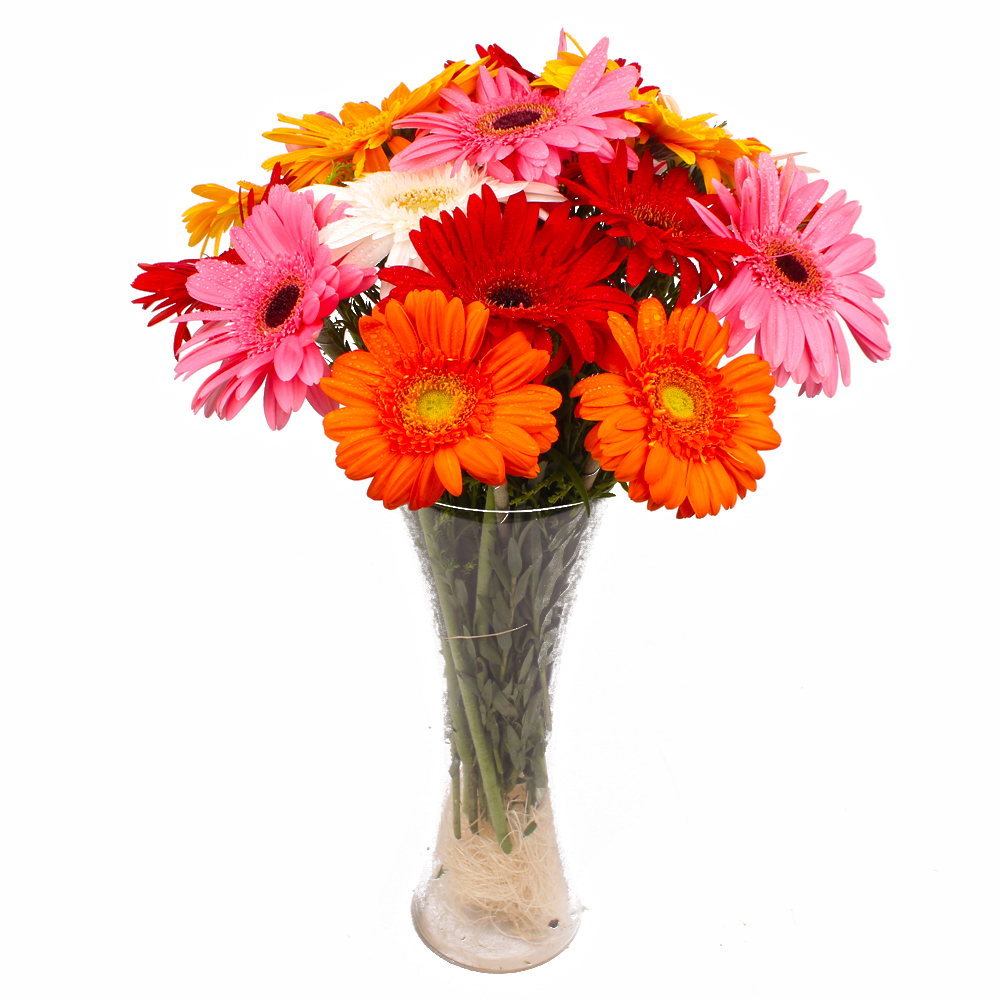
<point x="505" y="293"/>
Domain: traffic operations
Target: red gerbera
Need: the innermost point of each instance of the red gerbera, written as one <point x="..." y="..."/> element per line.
<point x="168" y="295"/>
<point x="533" y="278"/>
<point x="496" y="56"/>
<point x="652" y="210"/>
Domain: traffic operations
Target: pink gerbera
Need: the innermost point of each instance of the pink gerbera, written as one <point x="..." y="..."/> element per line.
<point x="520" y="132"/>
<point x="799" y="277"/>
<point x="270" y="310"/>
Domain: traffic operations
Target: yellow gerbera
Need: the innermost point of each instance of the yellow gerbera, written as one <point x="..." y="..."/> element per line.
<point x="560" y="71"/>
<point x="208" y="220"/>
<point x="362" y="129"/>
<point x="691" y="140"/>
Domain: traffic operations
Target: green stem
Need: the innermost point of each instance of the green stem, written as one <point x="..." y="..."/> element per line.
<point x="456" y="792"/>
<point x="466" y="709"/>
<point x="487" y="766"/>
<point x="455" y="707"/>
<point x="484" y="576"/>
<point x="472" y="798"/>
<point x="544" y="676"/>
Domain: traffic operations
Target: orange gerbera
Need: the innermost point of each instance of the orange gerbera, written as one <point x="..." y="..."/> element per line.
<point x="420" y="405"/>
<point x="681" y="432"/>
<point x="711" y="148"/>
<point x="320" y="141"/>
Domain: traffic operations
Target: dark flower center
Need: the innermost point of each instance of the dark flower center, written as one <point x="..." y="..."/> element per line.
<point x="792" y="268"/>
<point x="516" y="119"/>
<point x="281" y="305"/>
<point x="510" y="298"/>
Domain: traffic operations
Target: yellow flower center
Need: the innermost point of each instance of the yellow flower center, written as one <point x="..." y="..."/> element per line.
<point x="435" y="404"/>
<point x="370" y="127"/>
<point x="432" y="402"/>
<point x="677" y="401"/>
<point x="419" y="200"/>
<point x="680" y="399"/>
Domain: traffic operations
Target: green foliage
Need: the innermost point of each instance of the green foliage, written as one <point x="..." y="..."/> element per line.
<point x="345" y="322"/>
<point x="341" y="172"/>
<point x="504" y="581"/>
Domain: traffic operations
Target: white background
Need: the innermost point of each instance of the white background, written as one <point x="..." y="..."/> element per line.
<point x="221" y="742"/>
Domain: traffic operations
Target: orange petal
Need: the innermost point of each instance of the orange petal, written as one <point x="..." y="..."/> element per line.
<point x="698" y="494"/>
<point x="741" y="454"/>
<point x="748" y="373"/>
<point x="361" y="459"/>
<point x="758" y="432"/>
<point x="377" y="484"/>
<point x="427" y="488"/>
<point x="359" y="362"/>
<point x="400" y="481"/>
<point x="449" y="470"/>
<point x="542" y="396"/>
<point x="398" y="321"/>
<point x="721" y="485"/>
<point x="708" y="336"/>
<point x="634" y="462"/>
<point x="482" y="459"/>
<point x="657" y="462"/>
<point x="602" y="395"/>
<point x="605" y="380"/>
<point x="652" y="324"/>
<point x="625" y="337"/>
<point x="513" y="362"/>
<point x="350" y="418"/>
<point x="679" y="327"/>
<point x="629" y="418"/>
<point x="513" y="441"/>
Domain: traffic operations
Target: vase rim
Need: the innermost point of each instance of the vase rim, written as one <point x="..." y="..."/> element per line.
<point x="521" y="510"/>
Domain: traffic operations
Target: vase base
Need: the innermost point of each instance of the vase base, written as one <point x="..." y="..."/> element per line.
<point x="487" y="948"/>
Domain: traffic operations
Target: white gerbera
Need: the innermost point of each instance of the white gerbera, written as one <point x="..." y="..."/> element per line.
<point x="386" y="206"/>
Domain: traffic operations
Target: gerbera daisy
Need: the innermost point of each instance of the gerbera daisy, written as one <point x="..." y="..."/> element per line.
<point x="319" y="141"/>
<point x="385" y="207"/>
<point x="653" y="212"/>
<point x="532" y="278"/>
<point x="168" y="296"/>
<point x="208" y="220"/>
<point x="268" y="311"/>
<point x="559" y="72"/>
<point x="495" y="57"/>
<point x="422" y="403"/>
<point x="520" y="133"/>
<point x="681" y="432"/>
<point x="797" y="279"/>
<point x="709" y="147"/>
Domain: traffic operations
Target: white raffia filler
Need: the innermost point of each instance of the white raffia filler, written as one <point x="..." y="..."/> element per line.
<point x="496" y="912"/>
<point x="521" y="893"/>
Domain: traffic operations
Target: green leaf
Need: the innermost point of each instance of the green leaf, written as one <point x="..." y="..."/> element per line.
<point x="514" y="558"/>
<point x="574" y="476"/>
<point x="520" y="588"/>
<point x="501" y="570"/>
<point x="526" y="667"/>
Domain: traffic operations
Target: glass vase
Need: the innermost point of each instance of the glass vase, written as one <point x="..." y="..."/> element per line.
<point x="495" y="896"/>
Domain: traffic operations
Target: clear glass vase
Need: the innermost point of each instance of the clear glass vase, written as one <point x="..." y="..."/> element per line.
<point x="495" y="897"/>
